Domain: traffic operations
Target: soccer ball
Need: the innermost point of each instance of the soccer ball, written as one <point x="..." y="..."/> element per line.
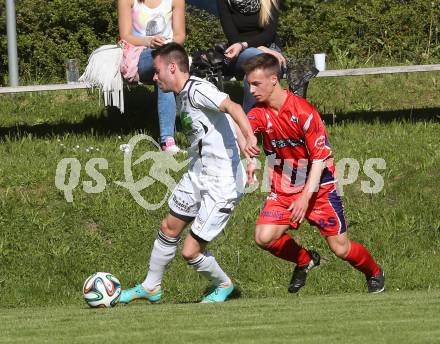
<point x="102" y="289"/>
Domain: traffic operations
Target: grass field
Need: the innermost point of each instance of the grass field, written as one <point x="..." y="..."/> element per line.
<point x="395" y="317"/>
<point x="48" y="246"/>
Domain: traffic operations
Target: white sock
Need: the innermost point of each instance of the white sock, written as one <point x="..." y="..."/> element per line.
<point x="163" y="252"/>
<point x="207" y="266"/>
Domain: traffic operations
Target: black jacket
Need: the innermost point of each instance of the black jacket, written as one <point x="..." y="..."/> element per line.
<point x="244" y="28"/>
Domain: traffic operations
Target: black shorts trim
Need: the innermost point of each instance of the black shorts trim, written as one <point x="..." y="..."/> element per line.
<point x="199" y="239"/>
<point x="184" y="218"/>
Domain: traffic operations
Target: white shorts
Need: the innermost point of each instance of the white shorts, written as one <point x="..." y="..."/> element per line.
<point x="208" y="200"/>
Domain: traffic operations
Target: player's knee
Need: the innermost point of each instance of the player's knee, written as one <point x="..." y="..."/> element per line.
<point x="340" y="251"/>
<point x="166" y="229"/>
<point x="164" y="226"/>
<point x="340" y="245"/>
<point x="263" y="241"/>
<point x="189" y="254"/>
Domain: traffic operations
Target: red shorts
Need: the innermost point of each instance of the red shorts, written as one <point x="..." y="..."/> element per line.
<point x="325" y="211"/>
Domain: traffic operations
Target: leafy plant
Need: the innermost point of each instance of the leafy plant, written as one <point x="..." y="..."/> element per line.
<point x="351" y="32"/>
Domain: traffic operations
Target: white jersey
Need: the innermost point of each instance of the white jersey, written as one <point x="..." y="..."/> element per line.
<point x="211" y="132"/>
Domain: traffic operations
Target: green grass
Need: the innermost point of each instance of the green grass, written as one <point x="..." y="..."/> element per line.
<point x="49" y="246"/>
<point x="394" y="317"/>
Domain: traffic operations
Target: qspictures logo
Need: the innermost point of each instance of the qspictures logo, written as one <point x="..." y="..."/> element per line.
<point x="68" y="172"/>
<point x="162" y="165"/>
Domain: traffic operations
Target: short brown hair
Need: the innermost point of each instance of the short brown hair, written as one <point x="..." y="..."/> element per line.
<point x="173" y="52"/>
<point x="263" y="61"/>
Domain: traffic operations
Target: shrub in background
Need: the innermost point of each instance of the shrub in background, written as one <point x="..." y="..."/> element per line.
<point x="351" y="32"/>
<point x="203" y="30"/>
<point x="405" y="31"/>
<point x="48" y="32"/>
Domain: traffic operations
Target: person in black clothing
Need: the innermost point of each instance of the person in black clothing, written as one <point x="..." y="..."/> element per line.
<point x="250" y="28"/>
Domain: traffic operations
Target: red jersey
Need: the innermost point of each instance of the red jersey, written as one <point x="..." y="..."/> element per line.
<point x="293" y="139"/>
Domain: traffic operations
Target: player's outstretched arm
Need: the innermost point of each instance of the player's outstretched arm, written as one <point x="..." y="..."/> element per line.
<point x="236" y="111"/>
<point x="251" y="165"/>
<point x="240" y="138"/>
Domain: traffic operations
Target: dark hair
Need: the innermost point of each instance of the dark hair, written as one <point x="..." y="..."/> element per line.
<point x="263" y="61"/>
<point x="173" y="52"/>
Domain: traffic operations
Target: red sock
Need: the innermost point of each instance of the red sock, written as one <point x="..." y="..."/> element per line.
<point x="361" y="259"/>
<point x="286" y="248"/>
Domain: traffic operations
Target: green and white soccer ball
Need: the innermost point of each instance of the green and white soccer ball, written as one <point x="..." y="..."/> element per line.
<point x="102" y="289"/>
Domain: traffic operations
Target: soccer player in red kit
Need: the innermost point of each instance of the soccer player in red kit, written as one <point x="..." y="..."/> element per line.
<point x="303" y="184"/>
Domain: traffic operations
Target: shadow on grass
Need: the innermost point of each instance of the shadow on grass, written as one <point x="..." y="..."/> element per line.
<point x="107" y="123"/>
<point x="386" y="116"/>
<point x="141" y="115"/>
<point x="236" y="294"/>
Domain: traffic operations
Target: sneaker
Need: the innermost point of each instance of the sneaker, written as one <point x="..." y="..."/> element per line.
<point x="170" y="146"/>
<point x="376" y="284"/>
<point x="139" y="292"/>
<point x="218" y="294"/>
<point x="300" y="273"/>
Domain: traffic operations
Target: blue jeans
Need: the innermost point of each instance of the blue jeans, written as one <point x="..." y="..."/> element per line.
<point x="236" y="69"/>
<point x="166" y="102"/>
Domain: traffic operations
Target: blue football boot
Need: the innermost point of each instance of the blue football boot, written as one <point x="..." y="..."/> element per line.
<point x="139" y="292"/>
<point x="218" y="294"/>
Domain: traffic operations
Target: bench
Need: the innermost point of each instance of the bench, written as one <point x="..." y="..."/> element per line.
<point x="323" y="74"/>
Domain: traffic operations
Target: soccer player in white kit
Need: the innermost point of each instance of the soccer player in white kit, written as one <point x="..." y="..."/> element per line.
<point x="212" y="186"/>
